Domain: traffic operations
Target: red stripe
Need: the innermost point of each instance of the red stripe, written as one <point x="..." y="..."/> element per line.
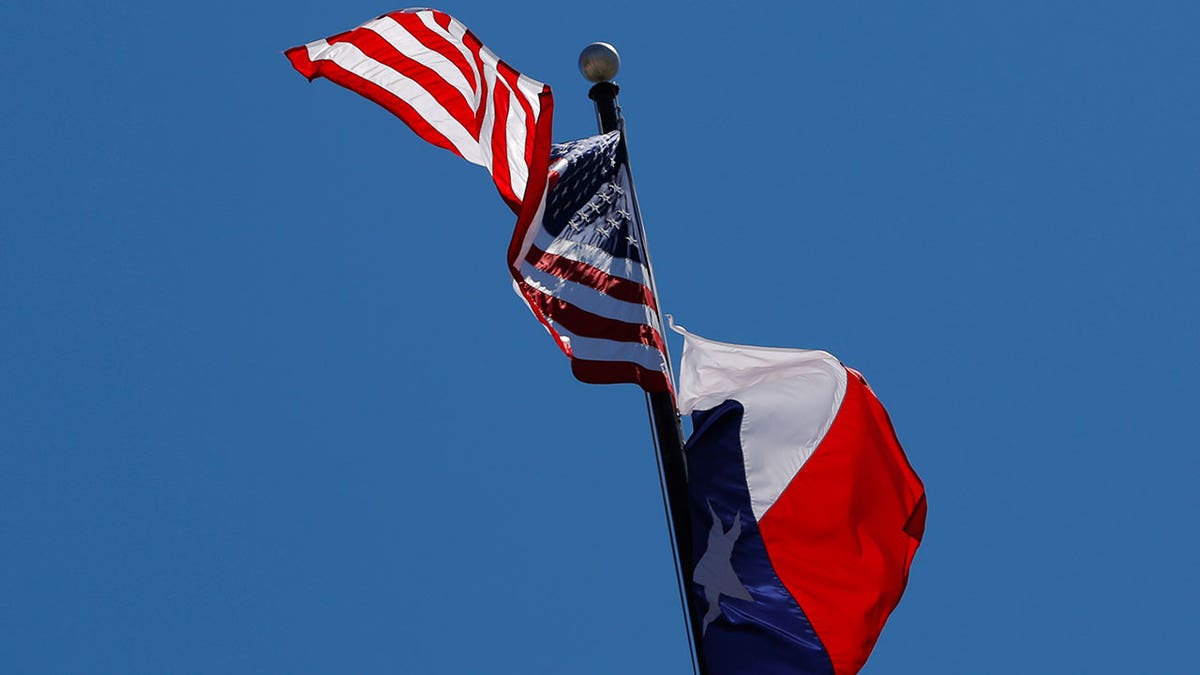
<point x="511" y="76"/>
<point x="363" y="87"/>
<point x="586" y="324"/>
<point x="618" y="372"/>
<point x="535" y="189"/>
<point x="300" y="61"/>
<point x="450" y="97"/>
<point x="474" y="45"/>
<point x="500" y="170"/>
<point x="591" y="276"/>
<point x="441" y="19"/>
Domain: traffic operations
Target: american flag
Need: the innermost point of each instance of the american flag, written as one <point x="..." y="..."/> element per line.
<point x="578" y="254"/>
<point x="430" y="71"/>
<point x="581" y="265"/>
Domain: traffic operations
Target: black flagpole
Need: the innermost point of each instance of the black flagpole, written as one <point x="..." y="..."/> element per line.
<point x="599" y="63"/>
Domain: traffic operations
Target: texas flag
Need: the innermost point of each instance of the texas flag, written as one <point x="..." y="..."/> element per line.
<point x="806" y="514"/>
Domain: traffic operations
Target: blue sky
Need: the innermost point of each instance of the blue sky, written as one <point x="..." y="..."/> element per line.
<point x="270" y="405"/>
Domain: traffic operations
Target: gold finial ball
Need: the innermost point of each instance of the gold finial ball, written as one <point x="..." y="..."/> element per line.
<point x="599" y="62"/>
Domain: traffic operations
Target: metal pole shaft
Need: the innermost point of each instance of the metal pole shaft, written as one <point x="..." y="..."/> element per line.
<point x="667" y="428"/>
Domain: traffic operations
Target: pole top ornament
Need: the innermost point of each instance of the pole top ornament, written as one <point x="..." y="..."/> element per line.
<point x="599" y="62"/>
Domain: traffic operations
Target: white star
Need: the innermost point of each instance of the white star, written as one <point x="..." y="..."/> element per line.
<point x="715" y="570"/>
<point x="631" y="240"/>
<point x="594" y="207"/>
<point x="617" y="188"/>
<point x="623" y="213"/>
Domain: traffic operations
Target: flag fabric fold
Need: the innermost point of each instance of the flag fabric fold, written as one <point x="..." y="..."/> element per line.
<point x="577" y="255"/>
<point x="806" y="511"/>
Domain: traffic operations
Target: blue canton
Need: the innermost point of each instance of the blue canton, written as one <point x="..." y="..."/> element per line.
<point x="591" y="203"/>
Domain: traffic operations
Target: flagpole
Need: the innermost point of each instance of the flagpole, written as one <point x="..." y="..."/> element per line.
<point x="599" y="63"/>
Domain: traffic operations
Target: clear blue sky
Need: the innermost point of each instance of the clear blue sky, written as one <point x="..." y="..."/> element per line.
<point x="269" y="405"/>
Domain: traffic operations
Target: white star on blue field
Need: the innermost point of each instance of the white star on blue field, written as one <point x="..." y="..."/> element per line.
<point x="714" y="570"/>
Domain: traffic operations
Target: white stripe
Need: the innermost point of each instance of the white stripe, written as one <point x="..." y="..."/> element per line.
<point x="790" y="397"/>
<point x="515" y="133"/>
<point x="351" y="58"/>
<point x="404" y="42"/>
<point x="533" y="230"/>
<point x="455" y="37"/>
<point x="595" y="256"/>
<point x="488" y="125"/>
<point x="531" y="88"/>
<point x="589" y="299"/>
<point x="595" y="349"/>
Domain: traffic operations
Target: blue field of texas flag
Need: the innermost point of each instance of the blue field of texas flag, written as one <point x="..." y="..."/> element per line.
<point x="805" y="511"/>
